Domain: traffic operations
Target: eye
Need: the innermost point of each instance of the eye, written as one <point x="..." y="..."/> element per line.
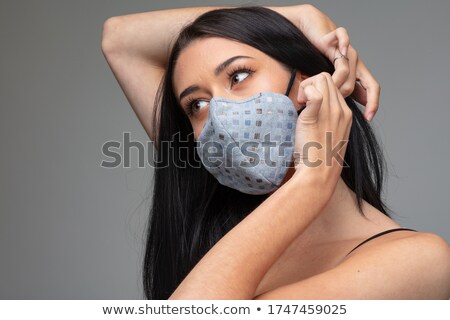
<point x="192" y="105"/>
<point x="239" y="71"/>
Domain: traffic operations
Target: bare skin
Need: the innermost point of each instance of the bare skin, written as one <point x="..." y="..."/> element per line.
<point x="136" y="47"/>
<point x="339" y="227"/>
<point x="304" y="245"/>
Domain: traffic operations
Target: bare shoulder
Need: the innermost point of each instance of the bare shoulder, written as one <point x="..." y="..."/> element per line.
<point x="432" y="242"/>
<point x="426" y="249"/>
<point x="426" y="245"/>
<point x="412" y="266"/>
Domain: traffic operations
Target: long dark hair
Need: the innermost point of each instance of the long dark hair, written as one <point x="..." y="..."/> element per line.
<point x="191" y="210"/>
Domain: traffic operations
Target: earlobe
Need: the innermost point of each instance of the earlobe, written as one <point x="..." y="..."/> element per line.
<point x="301" y="97"/>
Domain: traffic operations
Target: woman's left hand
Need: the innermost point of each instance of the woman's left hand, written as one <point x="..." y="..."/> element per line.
<point x="367" y="92"/>
<point x="332" y="42"/>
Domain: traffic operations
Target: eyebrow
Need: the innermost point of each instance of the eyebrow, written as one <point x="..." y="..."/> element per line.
<point x="219" y="69"/>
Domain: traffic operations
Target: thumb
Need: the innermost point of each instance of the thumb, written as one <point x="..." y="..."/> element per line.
<point x="313" y="102"/>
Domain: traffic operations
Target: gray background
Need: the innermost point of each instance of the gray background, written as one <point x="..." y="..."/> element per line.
<point x="70" y="229"/>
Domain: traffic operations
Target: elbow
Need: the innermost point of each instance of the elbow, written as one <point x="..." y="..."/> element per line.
<point x="308" y="8"/>
<point x="110" y="35"/>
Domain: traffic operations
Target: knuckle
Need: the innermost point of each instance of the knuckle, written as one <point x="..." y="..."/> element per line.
<point x="325" y="76"/>
<point x="342" y="68"/>
<point x="347" y="89"/>
<point x="342" y="29"/>
<point x="313" y="94"/>
<point x="318" y="97"/>
<point x="346" y="92"/>
<point x="345" y="71"/>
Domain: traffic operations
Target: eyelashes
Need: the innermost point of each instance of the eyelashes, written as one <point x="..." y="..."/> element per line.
<point x="188" y="106"/>
<point x="239" y="69"/>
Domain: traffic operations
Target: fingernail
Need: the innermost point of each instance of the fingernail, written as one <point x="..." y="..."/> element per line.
<point x="370" y="116"/>
<point x="344" y="51"/>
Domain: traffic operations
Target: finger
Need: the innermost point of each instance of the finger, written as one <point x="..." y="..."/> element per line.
<point x="341" y="69"/>
<point x="359" y="94"/>
<point x="347" y="113"/>
<point x="335" y="40"/>
<point x="332" y="44"/>
<point x="313" y="104"/>
<point x="372" y="88"/>
<point x="335" y="105"/>
<point x="346" y="126"/>
<point x="343" y="40"/>
<point x="319" y="82"/>
<point x="348" y="84"/>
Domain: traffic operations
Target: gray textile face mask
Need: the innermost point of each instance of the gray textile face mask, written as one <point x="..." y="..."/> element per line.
<point x="248" y="144"/>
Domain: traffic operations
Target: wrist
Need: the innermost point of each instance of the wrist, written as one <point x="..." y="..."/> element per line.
<point x="321" y="183"/>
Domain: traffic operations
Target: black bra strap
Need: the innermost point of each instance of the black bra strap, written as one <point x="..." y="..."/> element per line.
<point x="380" y="234"/>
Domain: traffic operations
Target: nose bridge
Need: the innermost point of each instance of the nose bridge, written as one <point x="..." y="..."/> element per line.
<point x="218" y="91"/>
<point x="221" y="93"/>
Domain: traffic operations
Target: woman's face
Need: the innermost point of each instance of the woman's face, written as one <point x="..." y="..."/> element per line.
<point x="218" y="67"/>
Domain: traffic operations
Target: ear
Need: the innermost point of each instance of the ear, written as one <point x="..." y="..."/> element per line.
<point x="300" y="76"/>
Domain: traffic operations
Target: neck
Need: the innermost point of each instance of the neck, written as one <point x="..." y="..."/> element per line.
<point x="338" y="219"/>
<point x="341" y="218"/>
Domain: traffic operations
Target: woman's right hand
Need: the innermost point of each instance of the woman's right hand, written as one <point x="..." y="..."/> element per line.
<point x="322" y="130"/>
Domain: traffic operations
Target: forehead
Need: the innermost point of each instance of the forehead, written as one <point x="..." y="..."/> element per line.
<point x="202" y="56"/>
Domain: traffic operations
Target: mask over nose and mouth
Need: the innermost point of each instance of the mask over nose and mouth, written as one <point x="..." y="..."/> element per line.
<point x="248" y="144"/>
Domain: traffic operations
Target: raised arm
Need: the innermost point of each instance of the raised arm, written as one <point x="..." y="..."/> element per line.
<point x="136" y="47"/>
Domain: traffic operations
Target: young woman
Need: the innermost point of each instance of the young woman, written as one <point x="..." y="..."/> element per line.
<point x="321" y="231"/>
